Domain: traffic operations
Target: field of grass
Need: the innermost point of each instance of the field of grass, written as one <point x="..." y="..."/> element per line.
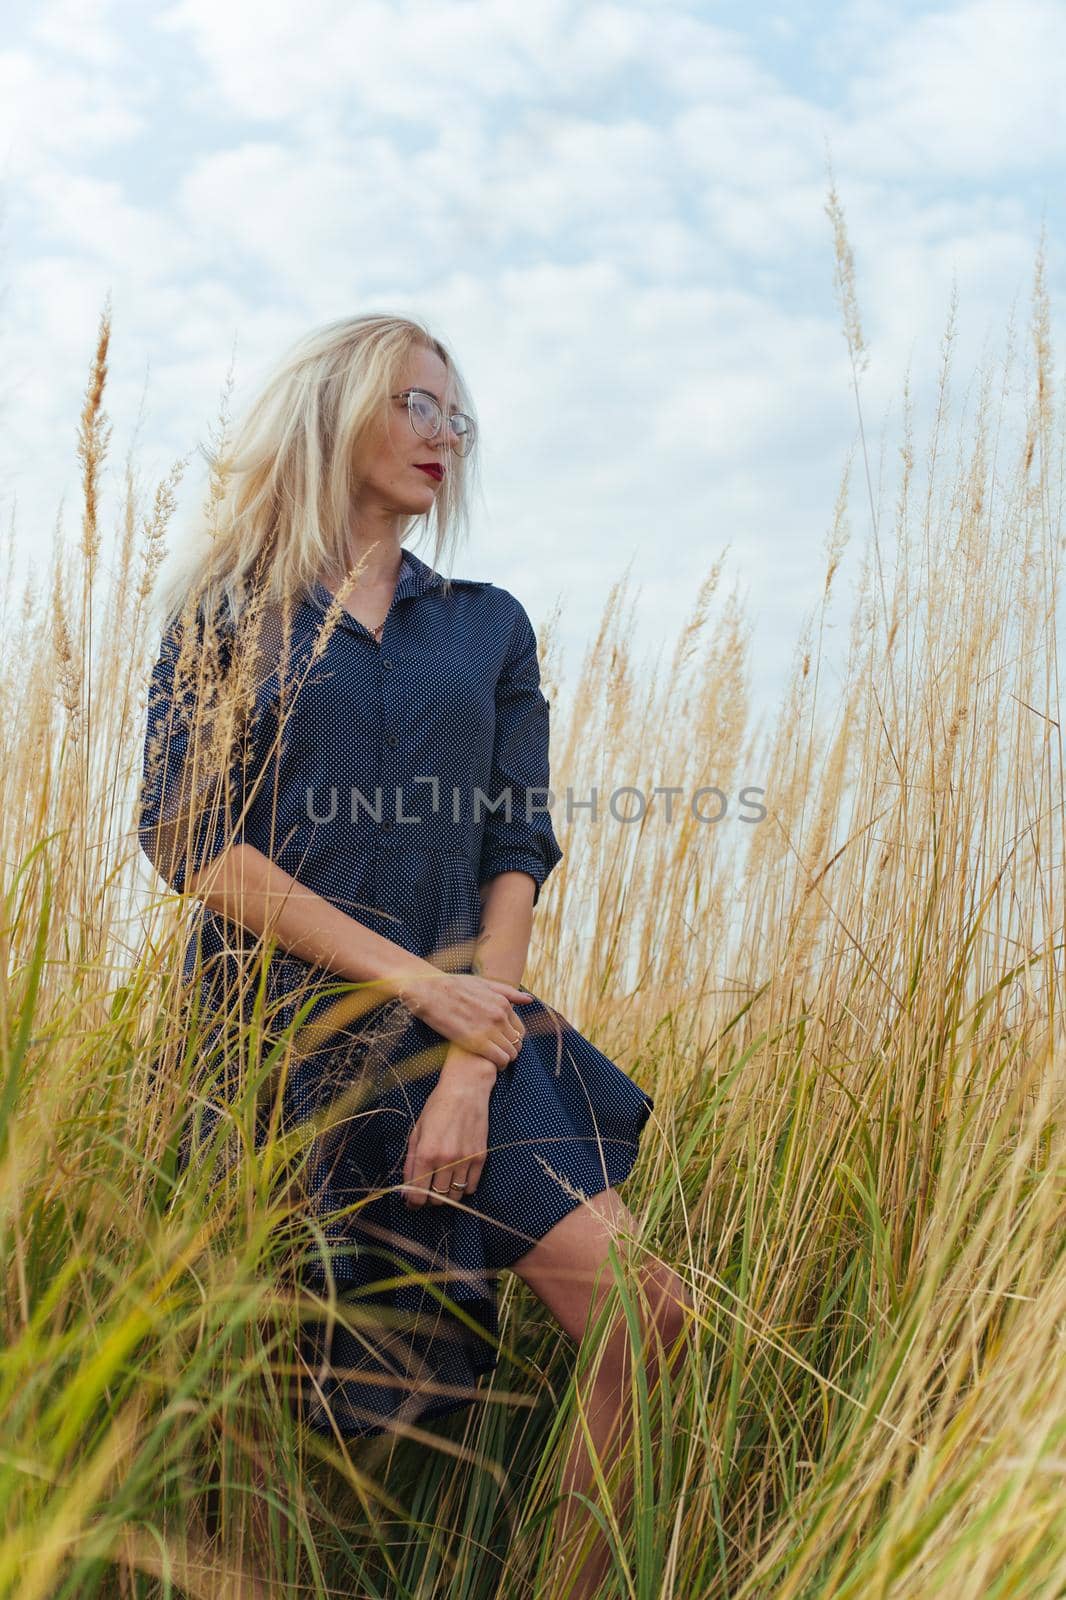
<point x="852" y="1030"/>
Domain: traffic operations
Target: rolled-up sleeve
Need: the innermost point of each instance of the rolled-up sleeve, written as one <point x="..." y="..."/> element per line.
<point x="189" y="799"/>
<point x="518" y="835"/>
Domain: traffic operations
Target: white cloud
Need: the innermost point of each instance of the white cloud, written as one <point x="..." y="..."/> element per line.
<point x="52" y="111"/>
<point x="613" y="212"/>
<point x="406" y="63"/>
<point x="93" y="215"/>
<point x="974" y="92"/>
<point x="87" y="29"/>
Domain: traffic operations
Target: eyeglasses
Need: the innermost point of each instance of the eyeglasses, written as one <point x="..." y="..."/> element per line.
<point x="427" y="418"/>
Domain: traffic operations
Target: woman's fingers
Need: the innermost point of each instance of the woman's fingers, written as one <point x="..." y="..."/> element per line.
<point x="409" y="1166"/>
<point x="476" y="1013"/>
<point x="432" y="1184"/>
<point x="501" y="1046"/>
<point x="479" y="1044"/>
<point x="511" y="1037"/>
<point x="442" y="1187"/>
<point x="508" y="1036"/>
<point x="439" y="1187"/>
<point x="409" y="1159"/>
<point x="510" y="991"/>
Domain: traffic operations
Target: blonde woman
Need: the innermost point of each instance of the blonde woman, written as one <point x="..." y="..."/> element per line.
<point x="382" y="817"/>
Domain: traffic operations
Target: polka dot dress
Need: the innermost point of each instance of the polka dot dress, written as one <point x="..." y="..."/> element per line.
<point x="394" y="778"/>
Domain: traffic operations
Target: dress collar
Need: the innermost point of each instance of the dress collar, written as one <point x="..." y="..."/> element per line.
<point x="416" y="578"/>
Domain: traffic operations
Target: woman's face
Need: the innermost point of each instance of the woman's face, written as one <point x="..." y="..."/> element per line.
<point x="391" y="475"/>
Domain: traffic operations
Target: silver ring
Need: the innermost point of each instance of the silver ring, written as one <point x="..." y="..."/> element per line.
<point x="457" y="1186"/>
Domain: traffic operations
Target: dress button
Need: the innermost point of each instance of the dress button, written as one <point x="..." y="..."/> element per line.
<point x="386" y="663"/>
<point x="392" y="741"/>
<point x="387" y="824"/>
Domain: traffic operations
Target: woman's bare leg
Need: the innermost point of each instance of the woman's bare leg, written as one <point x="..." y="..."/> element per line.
<point x="569" y="1271"/>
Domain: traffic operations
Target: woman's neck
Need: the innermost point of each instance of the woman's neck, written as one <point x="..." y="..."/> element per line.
<point x="379" y="572"/>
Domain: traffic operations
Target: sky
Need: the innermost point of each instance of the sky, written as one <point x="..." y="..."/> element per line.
<point x="614" y="214"/>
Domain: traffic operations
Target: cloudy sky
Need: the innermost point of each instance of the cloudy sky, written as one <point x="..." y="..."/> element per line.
<point x="614" y="213"/>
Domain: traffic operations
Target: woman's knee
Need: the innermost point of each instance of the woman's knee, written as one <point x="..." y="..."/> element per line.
<point x="670" y="1302"/>
<point x="664" y="1306"/>
<point x="569" y="1271"/>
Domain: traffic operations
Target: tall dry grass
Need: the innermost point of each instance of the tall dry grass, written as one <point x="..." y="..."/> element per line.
<point x="851" y="1028"/>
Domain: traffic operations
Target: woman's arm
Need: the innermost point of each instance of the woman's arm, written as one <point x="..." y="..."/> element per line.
<point x="519" y="840"/>
<point x="249" y="889"/>
<point x="246" y="887"/>
<point x="519" y="848"/>
<point x="506" y="924"/>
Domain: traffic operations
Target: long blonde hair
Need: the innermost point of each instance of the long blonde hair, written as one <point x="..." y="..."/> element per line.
<point x="278" y="510"/>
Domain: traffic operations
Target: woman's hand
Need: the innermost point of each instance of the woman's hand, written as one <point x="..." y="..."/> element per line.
<point x="476" y="1014"/>
<point x="449" y="1142"/>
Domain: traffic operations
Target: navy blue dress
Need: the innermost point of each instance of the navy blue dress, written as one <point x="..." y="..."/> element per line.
<point x="386" y="793"/>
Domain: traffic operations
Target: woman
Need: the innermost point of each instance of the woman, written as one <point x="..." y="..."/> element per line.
<point x="380" y="772"/>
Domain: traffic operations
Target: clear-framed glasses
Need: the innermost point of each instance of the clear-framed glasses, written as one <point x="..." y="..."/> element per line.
<point x="427" y="417"/>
